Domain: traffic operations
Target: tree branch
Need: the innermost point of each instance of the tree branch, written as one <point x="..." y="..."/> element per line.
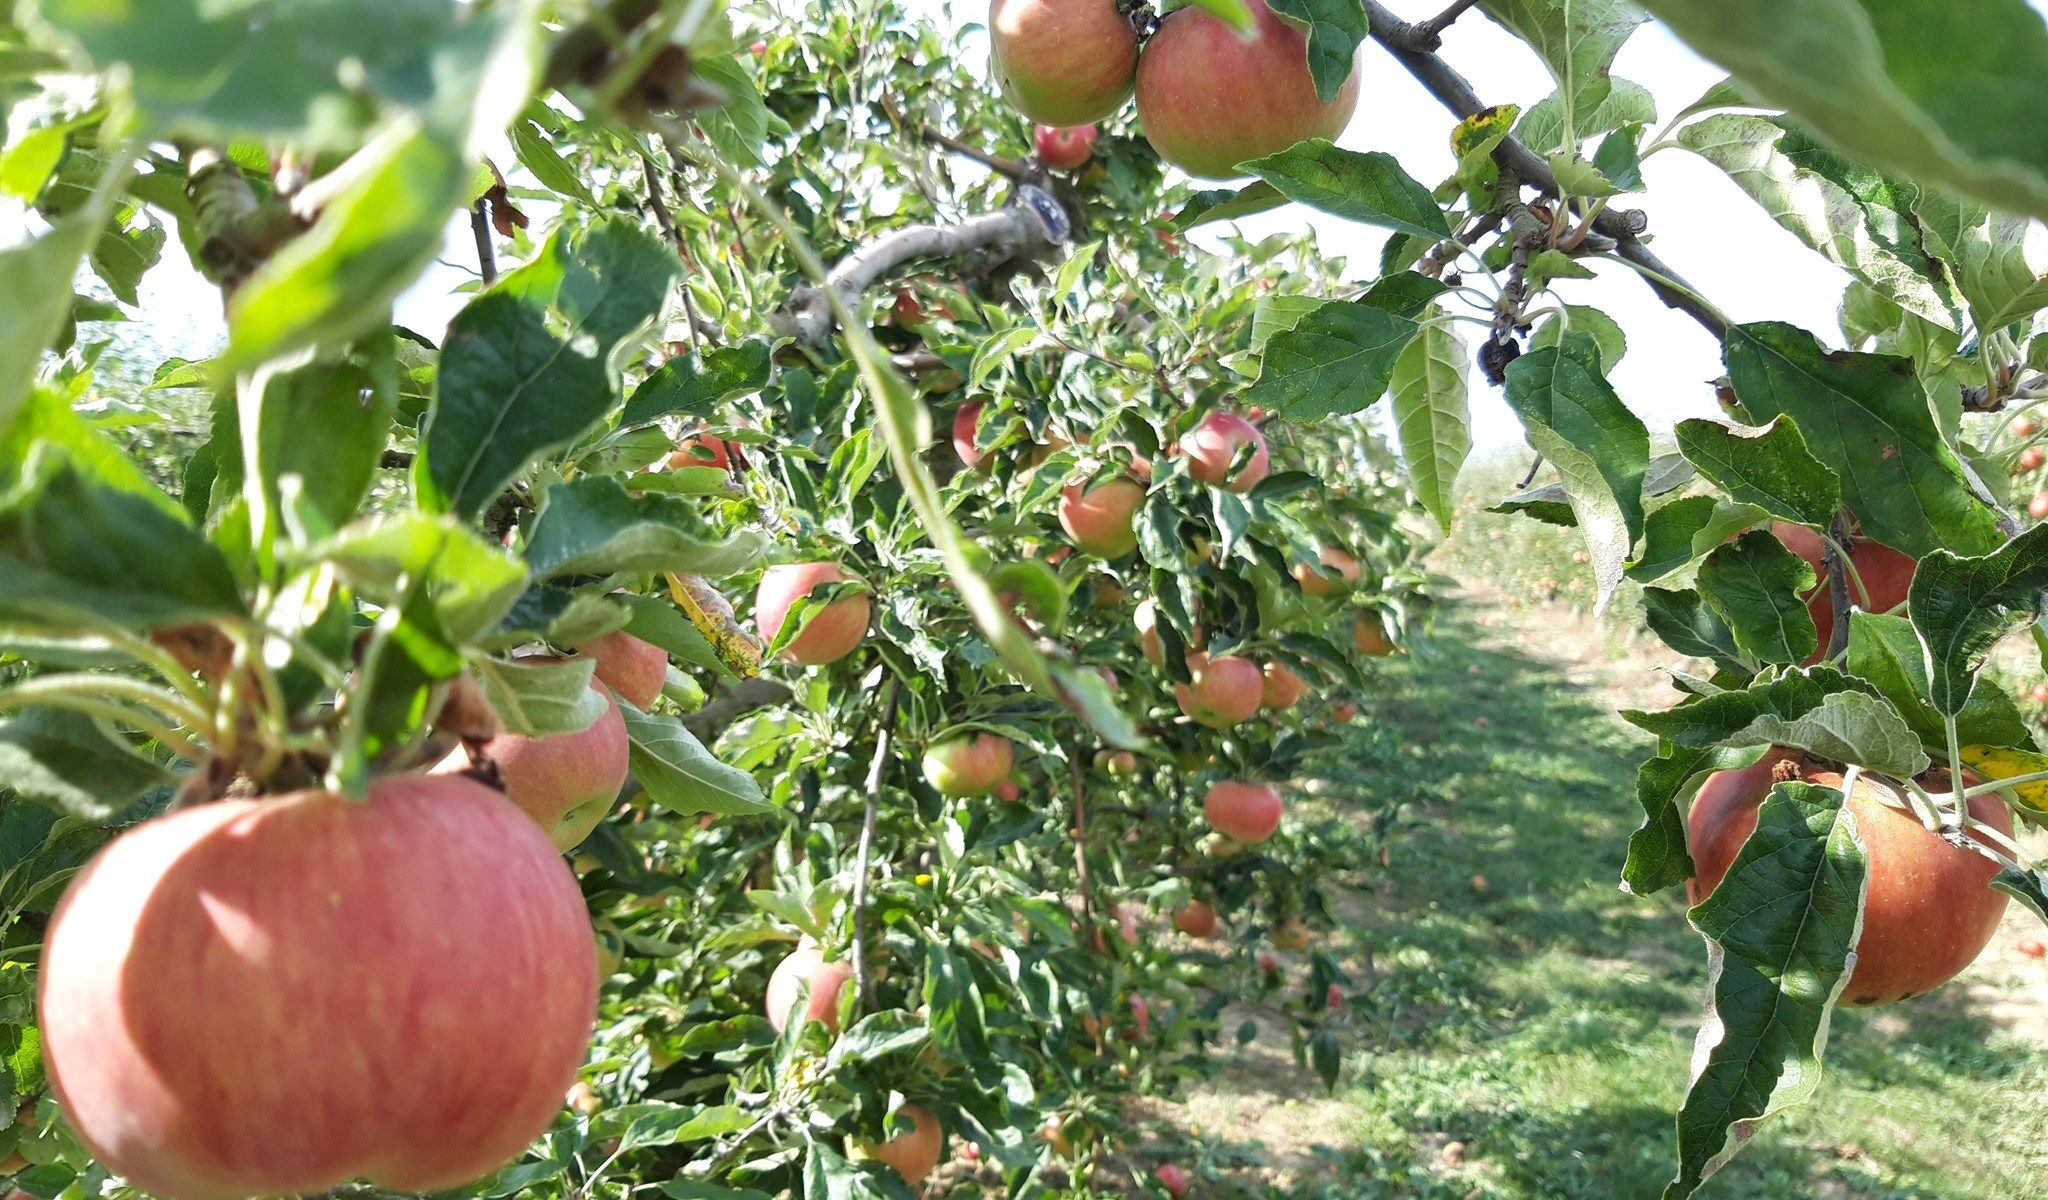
<point x="1838" y="587"/>
<point x="1425" y="36"/>
<point x="994" y="162"/>
<point x="480" y="230"/>
<point x="731" y="704"/>
<point x="1037" y="220"/>
<point x="861" y="859"/>
<point x="1456" y="94"/>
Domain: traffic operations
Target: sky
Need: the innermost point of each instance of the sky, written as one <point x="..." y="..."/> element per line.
<point x="1700" y="223"/>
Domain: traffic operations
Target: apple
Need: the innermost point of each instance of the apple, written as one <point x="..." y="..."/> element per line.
<point x="1344" y="713"/>
<point x="806" y="971"/>
<point x="566" y="782"/>
<point x="583" y="1098"/>
<point x="1213" y="448"/>
<point x="1317" y="583"/>
<point x="1141" y="1018"/>
<point x="1008" y="791"/>
<point x="1280" y="687"/>
<point x="633" y="668"/>
<point x="702" y="450"/>
<point x="832" y="633"/>
<point x="1370" y="635"/>
<point x="1225" y="691"/>
<point x="1247" y="813"/>
<point x="1334" y="997"/>
<point x="1197" y="919"/>
<point x="2040" y="693"/>
<point x="1099" y="519"/>
<point x="757" y="48"/>
<point x="275" y="996"/>
<point x="1210" y="98"/>
<point x="2031" y="459"/>
<point x="2038" y="506"/>
<point x="913" y="1154"/>
<point x="1886" y="573"/>
<point x="968" y="764"/>
<point x="1064" y="147"/>
<point x="1268" y="961"/>
<point x="1291" y="934"/>
<point x="2024" y="427"/>
<point x="1174" y="1178"/>
<point x="1929" y="907"/>
<point x="1062" y="62"/>
<point x="966" y="419"/>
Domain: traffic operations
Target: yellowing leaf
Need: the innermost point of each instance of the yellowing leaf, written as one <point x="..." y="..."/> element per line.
<point x="1999" y="762"/>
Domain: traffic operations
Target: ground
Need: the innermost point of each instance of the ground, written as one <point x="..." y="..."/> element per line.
<point x="1520" y="1027"/>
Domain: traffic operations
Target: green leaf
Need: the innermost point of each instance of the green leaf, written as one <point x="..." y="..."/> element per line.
<point x="1606" y="333"/>
<point x="653" y="1123"/>
<point x="1986" y="254"/>
<point x="473" y="583"/>
<point x="1780" y="928"/>
<point x="535" y="697"/>
<point x="1336" y="28"/>
<point x="1866" y="417"/>
<point x="538" y="155"/>
<point x="318" y="427"/>
<point x="1432" y="417"/>
<point x="739" y="125"/>
<point x="1687" y="529"/>
<point x="1369" y="188"/>
<point x="694" y="385"/>
<point x="69" y="762"/>
<point x="1577" y="40"/>
<point x="1769" y="467"/>
<point x="1947" y="94"/>
<point x="1684" y="622"/>
<point x="593" y="526"/>
<point x="679" y="774"/>
<point x="129" y="246"/>
<point x="879" y="1035"/>
<point x="1627" y="103"/>
<point x="1600" y="448"/>
<point x="1227" y="204"/>
<point x="1886" y="651"/>
<point x="1961" y="606"/>
<point x="1754" y="585"/>
<point x="35" y="276"/>
<point x="1338" y="358"/>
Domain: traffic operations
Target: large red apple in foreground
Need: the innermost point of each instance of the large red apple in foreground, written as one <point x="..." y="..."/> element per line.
<point x="1210" y="99"/>
<point x="1929" y="909"/>
<point x="806" y="968"/>
<point x="1099" y="519"/>
<point x="1887" y="574"/>
<point x="1065" y="147"/>
<point x="1225" y="690"/>
<point x="913" y="1154"/>
<point x="1244" y="812"/>
<point x="271" y="997"/>
<point x="968" y="765"/>
<point x="1062" y="62"/>
<point x="1213" y="447"/>
<point x="634" y="668"/>
<point x="832" y="634"/>
<point x="566" y="782"/>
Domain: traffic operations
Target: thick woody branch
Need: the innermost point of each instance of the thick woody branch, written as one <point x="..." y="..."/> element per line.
<point x="1035" y="223"/>
<point x="1455" y="93"/>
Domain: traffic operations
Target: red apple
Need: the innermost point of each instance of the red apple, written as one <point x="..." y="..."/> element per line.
<point x="566" y="782"/>
<point x="2024" y="427"/>
<point x="1244" y="812"/>
<point x="1225" y="691"/>
<point x="969" y="764"/>
<point x="1370" y="635"/>
<point x="633" y="668"/>
<point x="2031" y="459"/>
<point x="1268" y="961"/>
<point x="1281" y="687"/>
<point x="1141" y="1018"/>
<point x="1008" y="791"/>
<point x="1100" y="519"/>
<point x="1062" y="62"/>
<point x="913" y="1154"/>
<point x="1197" y="919"/>
<point x="832" y="634"/>
<point x="1344" y="713"/>
<point x="275" y="996"/>
<point x="1213" y="448"/>
<point x="1174" y="1179"/>
<point x="2038" y="506"/>
<point x="1064" y="147"/>
<point x="1886" y="573"/>
<point x="1210" y="98"/>
<point x="2031" y="948"/>
<point x="703" y="450"/>
<point x="807" y="972"/>
<point x="965" y="419"/>
<point x="1318" y="583"/>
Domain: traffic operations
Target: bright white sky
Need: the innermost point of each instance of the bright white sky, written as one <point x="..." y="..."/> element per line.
<point x="1702" y="225"/>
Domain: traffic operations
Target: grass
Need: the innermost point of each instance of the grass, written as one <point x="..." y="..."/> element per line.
<point x="1543" y="1019"/>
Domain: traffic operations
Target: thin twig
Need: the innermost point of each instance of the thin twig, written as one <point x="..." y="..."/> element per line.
<point x="1080" y="784"/>
<point x="1432" y="30"/>
<point x="861" y="858"/>
<point x="1529" y="476"/>
<point x="480" y="229"/>
<point x="1838" y="587"/>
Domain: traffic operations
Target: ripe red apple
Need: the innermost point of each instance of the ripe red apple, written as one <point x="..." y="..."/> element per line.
<point x="1225" y="691"/>
<point x="2040" y="693"/>
<point x="566" y="782"/>
<point x="806" y="970"/>
<point x="1316" y="583"/>
<point x="2024" y="427"/>
<point x="757" y="48"/>
<point x="2038" y="506"/>
<point x="1244" y="812"/>
<point x="1292" y="934"/>
<point x="913" y="1154"/>
<point x="1008" y="791"/>
<point x="1062" y="62"/>
<point x="1174" y="1178"/>
<point x="1197" y="919"/>
<point x="2031" y="459"/>
<point x="1064" y="147"/>
<point x="274" y="996"/>
<point x="633" y="668"/>
<point x="1099" y="519"/>
<point x="1370" y="636"/>
<point x="702" y="450"/>
<point x="1147" y="620"/>
<point x="969" y="764"/>
<point x="1141" y="1018"/>
<point x="1334" y="997"/>
<point x="832" y="634"/>
<point x="1210" y="99"/>
<point x="1886" y="574"/>
<point x="965" y="419"/>
<point x="1281" y="686"/>
<point x="1929" y="907"/>
<point x="1344" y="713"/>
<point x="1213" y="446"/>
<point x="1268" y="961"/>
